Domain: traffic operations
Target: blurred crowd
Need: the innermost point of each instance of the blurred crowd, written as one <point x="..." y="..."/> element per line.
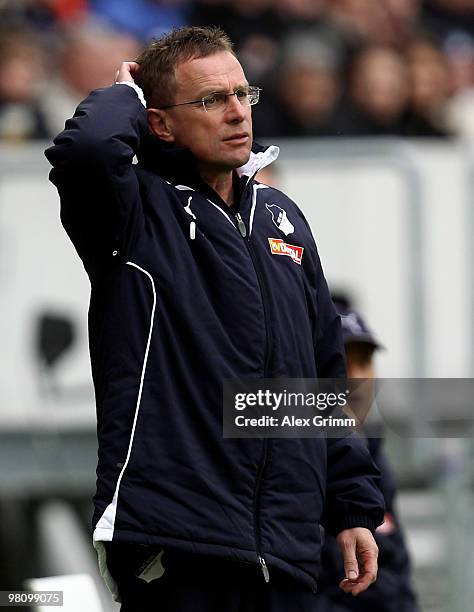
<point x="327" y="67"/>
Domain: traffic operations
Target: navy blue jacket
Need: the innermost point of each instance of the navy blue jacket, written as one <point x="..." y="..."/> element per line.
<point x="186" y="292"/>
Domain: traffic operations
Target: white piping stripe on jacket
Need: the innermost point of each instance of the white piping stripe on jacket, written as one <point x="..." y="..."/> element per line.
<point x="256" y="187"/>
<point x="187" y="208"/>
<point x="105" y="527"/>
<point x="223" y="212"/>
<point x="192" y="225"/>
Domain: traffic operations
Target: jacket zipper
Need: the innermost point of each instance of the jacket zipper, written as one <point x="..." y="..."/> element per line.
<point x="242" y="229"/>
<point x="258" y="483"/>
<point x="261" y="467"/>
<point x="241" y="226"/>
<point x="243" y="232"/>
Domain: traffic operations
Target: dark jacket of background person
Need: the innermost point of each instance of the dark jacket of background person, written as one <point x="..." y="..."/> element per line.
<point x="392" y="591"/>
<point x="182" y="298"/>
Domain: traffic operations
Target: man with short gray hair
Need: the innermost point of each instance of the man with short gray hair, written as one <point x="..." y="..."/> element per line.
<point x="200" y="274"/>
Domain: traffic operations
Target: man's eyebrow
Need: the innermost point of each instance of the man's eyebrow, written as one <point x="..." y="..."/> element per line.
<point x="209" y="90"/>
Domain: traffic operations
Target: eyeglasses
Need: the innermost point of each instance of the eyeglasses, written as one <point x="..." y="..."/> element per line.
<point x="247" y="96"/>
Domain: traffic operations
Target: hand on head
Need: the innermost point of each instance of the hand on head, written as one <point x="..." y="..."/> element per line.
<point x="127" y="72"/>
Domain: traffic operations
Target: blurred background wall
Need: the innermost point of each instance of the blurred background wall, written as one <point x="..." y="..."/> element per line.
<point x="372" y="104"/>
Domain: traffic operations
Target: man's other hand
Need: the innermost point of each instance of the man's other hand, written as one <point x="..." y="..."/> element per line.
<point x="126" y="72"/>
<point x="359" y="552"/>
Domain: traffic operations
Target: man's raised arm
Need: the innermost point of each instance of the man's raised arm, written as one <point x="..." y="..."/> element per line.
<point x="93" y="172"/>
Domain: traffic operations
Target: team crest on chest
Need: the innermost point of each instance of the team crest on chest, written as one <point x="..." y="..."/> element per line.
<point x="280" y="219"/>
<point x="279" y="247"/>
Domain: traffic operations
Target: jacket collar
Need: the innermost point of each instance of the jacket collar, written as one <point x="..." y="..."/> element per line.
<point x="178" y="165"/>
<point x="260" y="157"/>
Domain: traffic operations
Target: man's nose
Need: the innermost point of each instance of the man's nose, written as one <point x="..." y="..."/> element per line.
<point x="235" y="110"/>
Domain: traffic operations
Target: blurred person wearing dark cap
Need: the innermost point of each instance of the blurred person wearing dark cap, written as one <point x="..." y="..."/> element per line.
<point x="360" y="345"/>
<point x="393" y="591"/>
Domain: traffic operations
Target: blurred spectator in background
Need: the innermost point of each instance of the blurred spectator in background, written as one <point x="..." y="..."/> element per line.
<point x="34" y="13"/>
<point x="240" y="18"/>
<point x="403" y="16"/>
<point x="378" y="94"/>
<point x="401" y="67"/>
<point x="87" y="58"/>
<point x="305" y="98"/>
<point x="391" y="94"/>
<point x="253" y="26"/>
<point x="430" y="90"/>
<point x="21" y="77"/>
<point x="393" y="591"/>
<point x="365" y="22"/>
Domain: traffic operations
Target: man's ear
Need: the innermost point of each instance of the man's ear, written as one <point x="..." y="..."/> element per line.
<point x="160" y="124"/>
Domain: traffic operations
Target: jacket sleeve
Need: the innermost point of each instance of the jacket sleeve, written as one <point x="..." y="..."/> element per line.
<point x="353" y="495"/>
<point x="329" y="352"/>
<point x="93" y="172"/>
<point x="329" y="347"/>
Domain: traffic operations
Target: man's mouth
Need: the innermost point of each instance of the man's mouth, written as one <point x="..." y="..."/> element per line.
<point x="238" y="138"/>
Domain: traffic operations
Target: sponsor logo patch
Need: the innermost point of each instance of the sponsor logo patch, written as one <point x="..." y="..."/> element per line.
<point x="278" y="247"/>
